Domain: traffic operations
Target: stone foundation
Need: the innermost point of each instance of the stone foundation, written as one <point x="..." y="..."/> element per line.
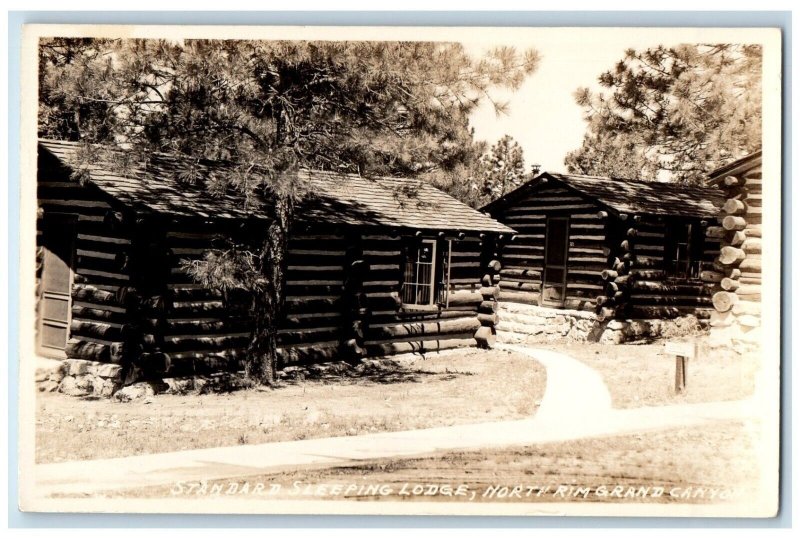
<point x="726" y="332"/>
<point x="523" y="323"/>
<point x="79" y="377"/>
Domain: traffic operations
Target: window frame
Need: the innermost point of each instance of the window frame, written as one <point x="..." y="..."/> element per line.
<point x="439" y="285"/>
<point x="693" y="242"/>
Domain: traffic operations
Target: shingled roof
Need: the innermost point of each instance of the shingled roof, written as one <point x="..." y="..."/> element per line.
<point x="336" y="198"/>
<point x="740" y="166"/>
<point x="631" y="196"/>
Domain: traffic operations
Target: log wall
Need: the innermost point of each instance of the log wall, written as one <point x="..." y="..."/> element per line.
<point x="523" y="258"/>
<point x="736" y="281"/>
<point x="643" y="283"/>
<point x="342" y="301"/>
<point x="616" y="263"/>
<point x="391" y="327"/>
<point x="102" y="326"/>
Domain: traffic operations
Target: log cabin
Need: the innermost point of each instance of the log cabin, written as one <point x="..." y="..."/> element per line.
<point x="736" y="281"/>
<point x="376" y="266"/>
<point x="604" y="259"/>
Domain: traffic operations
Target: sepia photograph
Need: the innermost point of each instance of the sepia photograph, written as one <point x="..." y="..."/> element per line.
<point x="450" y="271"/>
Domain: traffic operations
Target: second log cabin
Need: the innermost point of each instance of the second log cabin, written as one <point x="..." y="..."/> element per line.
<point x="605" y="259"/>
<point x="376" y="266"/>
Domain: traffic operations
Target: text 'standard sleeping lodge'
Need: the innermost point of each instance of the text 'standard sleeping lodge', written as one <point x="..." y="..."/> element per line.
<point x="379" y="266"/>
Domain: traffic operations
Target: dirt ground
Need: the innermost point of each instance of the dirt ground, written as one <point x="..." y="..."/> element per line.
<point x="457" y="387"/>
<point x="705" y="464"/>
<point x="642" y="374"/>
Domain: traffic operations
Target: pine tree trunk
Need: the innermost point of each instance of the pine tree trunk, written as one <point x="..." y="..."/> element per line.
<point x="268" y="306"/>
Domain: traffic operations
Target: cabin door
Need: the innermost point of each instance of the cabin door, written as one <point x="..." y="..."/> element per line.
<point x="56" y="286"/>
<point x="554" y="276"/>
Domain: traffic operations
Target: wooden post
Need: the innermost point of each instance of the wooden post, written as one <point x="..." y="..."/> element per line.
<point x="682" y="352"/>
<point x="680" y="374"/>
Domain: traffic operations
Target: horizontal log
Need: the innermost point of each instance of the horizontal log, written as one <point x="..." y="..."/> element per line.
<point x="734" y="222"/>
<point x="488" y="319"/>
<point x="587" y="260"/>
<point x="485" y="337"/>
<point x="733" y="181"/>
<point x="439" y="327"/>
<point x="729" y="284"/>
<point x="730" y="255"/>
<point x="648" y="312"/>
<point x="669" y="287"/>
<point x="608" y="275"/>
<point x="734" y="206"/>
<point x="752" y="245"/>
<point x="751" y="265"/>
<point x="521" y="272"/>
<point x="488" y="307"/>
<point x="85" y="275"/>
<point x="464" y="297"/>
<point x="323" y="252"/>
<point x="716" y="232"/>
<point x="520" y="285"/>
<point x="93" y="351"/>
<point x="420" y="346"/>
<point x="91" y="294"/>
<point x="305" y="354"/>
<point x="305" y="303"/>
<point x="584" y="286"/>
<point x="749" y="293"/>
<point x="723" y="300"/>
<point x="544" y="207"/>
<point x="489" y="292"/>
<point x="750" y="280"/>
<point x="667" y="299"/>
<point x="529" y="298"/>
<point x="753" y="230"/>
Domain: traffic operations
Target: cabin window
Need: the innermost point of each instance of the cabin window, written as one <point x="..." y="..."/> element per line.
<point x="426" y="272"/>
<point x="684" y="250"/>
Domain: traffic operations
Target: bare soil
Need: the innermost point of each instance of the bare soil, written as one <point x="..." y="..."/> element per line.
<point x="457" y="387"/>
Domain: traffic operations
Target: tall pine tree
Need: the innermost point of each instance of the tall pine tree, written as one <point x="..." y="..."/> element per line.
<point x="672" y="113"/>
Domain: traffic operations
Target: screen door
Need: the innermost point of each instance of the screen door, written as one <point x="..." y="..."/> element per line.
<point x="554" y="277"/>
<point x="56" y="287"/>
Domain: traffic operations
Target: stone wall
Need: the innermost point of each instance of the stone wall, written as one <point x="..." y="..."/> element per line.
<point x="522" y="323"/>
<point x="80" y="377"/>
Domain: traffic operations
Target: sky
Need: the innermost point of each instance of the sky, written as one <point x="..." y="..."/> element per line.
<point x="543" y="116"/>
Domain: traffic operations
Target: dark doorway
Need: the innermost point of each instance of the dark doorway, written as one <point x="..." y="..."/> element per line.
<point x="55" y="304"/>
<point x="554" y="277"/>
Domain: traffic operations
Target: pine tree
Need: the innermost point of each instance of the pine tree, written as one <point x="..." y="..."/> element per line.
<point x="504" y="169"/>
<point x="672" y="113"/>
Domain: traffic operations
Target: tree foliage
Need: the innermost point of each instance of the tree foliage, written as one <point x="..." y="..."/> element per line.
<point x="266" y="108"/>
<point x="504" y="167"/>
<point x="673" y="113"/>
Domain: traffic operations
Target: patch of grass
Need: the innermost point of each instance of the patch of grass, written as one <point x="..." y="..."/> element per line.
<point x="465" y="386"/>
<point x="642" y="374"/>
